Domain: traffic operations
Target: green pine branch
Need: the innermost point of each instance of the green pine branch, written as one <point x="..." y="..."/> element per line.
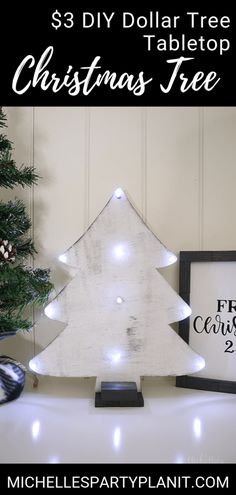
<point x="11" y="176"/>
<point x="21" y="286"/>
<point x="5" y="144"/>
<point x="11" y="323"/>
<point x="14" y="223"/>
<point x="25" y="248"/>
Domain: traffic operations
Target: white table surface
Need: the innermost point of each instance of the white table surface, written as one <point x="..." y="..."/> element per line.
<point x="59" y="423"/>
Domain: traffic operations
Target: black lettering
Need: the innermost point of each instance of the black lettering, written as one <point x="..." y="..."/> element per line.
<point x="220" y="304"/>
<point x="195" y="324"/>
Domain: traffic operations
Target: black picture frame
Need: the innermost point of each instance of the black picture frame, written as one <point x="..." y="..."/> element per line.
<point x="186" y="258"/>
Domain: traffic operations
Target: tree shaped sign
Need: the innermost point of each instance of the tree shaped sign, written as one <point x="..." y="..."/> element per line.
<point x="118" y="307"/>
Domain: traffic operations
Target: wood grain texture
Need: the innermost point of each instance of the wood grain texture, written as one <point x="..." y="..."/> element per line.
<point x="118" y="307"/>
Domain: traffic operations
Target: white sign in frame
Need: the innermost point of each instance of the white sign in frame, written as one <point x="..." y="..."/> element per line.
<point x="208" y="285"/>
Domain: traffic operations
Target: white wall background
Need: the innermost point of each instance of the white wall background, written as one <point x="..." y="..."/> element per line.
<point x="177" y="166"/>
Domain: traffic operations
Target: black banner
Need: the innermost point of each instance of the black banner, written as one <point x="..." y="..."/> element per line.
<point x="118" y="476"/>
<point x="115" y="53"/>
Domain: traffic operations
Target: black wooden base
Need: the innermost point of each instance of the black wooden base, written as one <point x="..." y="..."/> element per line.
<point x="119" y="394"/>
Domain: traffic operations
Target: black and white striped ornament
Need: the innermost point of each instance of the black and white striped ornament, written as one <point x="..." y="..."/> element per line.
<point x="12" y="379"/>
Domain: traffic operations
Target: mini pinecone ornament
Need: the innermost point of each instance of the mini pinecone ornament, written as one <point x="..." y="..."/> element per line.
<point x="7" y="252"/>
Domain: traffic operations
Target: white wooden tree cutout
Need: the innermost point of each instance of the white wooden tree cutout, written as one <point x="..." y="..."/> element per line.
<point x="118" y="307"/>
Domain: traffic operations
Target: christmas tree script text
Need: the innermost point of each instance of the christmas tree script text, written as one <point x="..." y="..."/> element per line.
<point x="38" y="74"/>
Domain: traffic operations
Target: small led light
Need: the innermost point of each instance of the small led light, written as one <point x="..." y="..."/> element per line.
<point x="172" y="259"/>
<point x="119" y="251"/>
<point x="49" y="311"/>
<point x="118" y="193"/>
<point x="116" y="357"/>
<point x="187" y="311"/>
<point x="119" y="300"/>
<point x="200" y="363"/>
<point x="62" y="258"/>
<point x="33" y="366"/>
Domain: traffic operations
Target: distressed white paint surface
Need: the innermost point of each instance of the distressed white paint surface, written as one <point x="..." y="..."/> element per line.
<point x="118" y="307"/>
<point x="168" y="159"/>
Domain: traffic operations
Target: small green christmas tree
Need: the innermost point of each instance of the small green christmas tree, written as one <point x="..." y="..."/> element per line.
<point x="20" y="285"/>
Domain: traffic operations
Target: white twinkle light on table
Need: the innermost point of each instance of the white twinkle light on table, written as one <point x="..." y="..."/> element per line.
<point x="197" y="427"/>
<point x="35" y="429"/>
<point x="117" y="437"/>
